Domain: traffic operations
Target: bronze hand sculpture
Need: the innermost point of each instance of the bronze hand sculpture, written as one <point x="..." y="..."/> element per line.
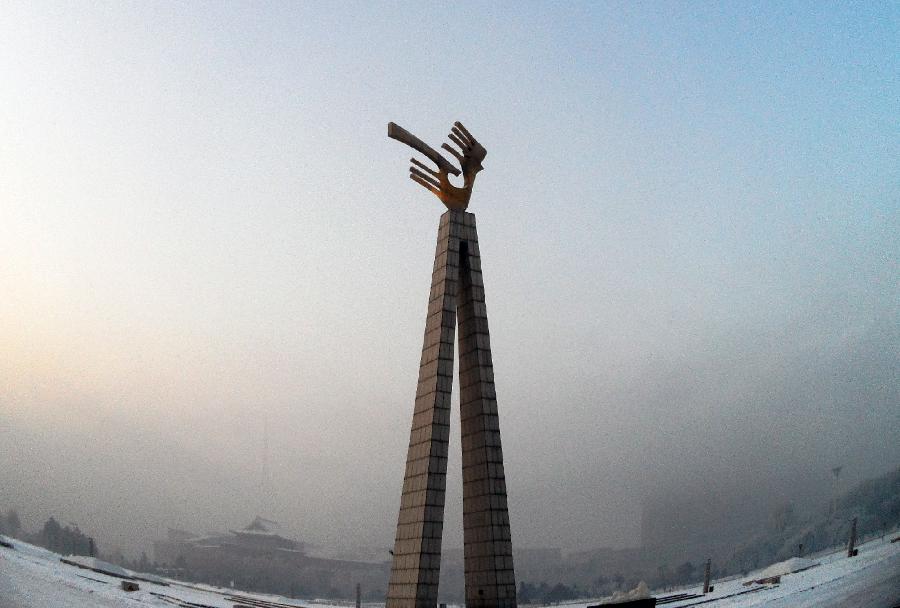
<point x="470" y="155"/>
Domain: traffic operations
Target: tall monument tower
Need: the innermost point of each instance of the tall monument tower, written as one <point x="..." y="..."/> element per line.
<point x="456" y="302"/>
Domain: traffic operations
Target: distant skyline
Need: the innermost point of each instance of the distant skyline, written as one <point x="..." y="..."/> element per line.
<point x="688" y="220"/>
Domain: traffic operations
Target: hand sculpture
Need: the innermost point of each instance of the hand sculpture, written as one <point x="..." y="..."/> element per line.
<point x="470" y="155"/>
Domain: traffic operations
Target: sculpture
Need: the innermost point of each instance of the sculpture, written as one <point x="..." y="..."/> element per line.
<point x="457" y="315"/>
<point x="470" y="155"/>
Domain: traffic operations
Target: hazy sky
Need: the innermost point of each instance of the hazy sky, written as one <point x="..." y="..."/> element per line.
<point x="688" y="221"/>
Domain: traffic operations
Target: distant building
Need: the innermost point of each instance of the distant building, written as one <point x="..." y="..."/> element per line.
<point x="697" y="522"/>
<point x="257" y="538"/>
<point x="258" y="558"/>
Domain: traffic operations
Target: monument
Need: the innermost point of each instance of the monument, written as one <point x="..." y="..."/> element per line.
<point x="456" y="302"/>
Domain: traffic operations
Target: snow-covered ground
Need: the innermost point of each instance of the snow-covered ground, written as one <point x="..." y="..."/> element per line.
<point x="869" y="580"/>
<point x="31" y="577"/>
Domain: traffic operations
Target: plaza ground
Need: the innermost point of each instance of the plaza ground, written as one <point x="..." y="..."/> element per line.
<point x="31" y="577"/>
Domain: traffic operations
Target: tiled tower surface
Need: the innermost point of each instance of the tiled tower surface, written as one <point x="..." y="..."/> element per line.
<point x="457" y="291"/>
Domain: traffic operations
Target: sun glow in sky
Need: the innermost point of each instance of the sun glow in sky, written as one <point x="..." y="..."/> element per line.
<point x="688" y="219"/>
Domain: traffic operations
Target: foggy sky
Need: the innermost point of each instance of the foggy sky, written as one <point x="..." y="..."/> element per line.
<point x="688" y="221"/>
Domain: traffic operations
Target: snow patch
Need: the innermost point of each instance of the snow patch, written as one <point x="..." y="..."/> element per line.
<point x="640" y="592"/>
<point x="97" y="565"/>
<point x="788" y="566"/>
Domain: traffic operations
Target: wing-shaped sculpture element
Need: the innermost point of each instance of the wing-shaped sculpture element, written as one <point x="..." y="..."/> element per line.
<point x="469" y="156"/>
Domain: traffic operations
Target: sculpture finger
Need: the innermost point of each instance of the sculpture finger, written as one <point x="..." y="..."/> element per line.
<point x="465" y="131"/>
<point x="455" y="131"/>
<point x="453" y="152"/>
<point x="397" y="132"/>
<point x="458" y="142"/>
<point x="425" y="177"/>
<point x="425" y="184"/>
<point x="424" y="168"/>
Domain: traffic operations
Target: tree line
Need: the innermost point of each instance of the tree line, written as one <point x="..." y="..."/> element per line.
<point x="63" y="539"/>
